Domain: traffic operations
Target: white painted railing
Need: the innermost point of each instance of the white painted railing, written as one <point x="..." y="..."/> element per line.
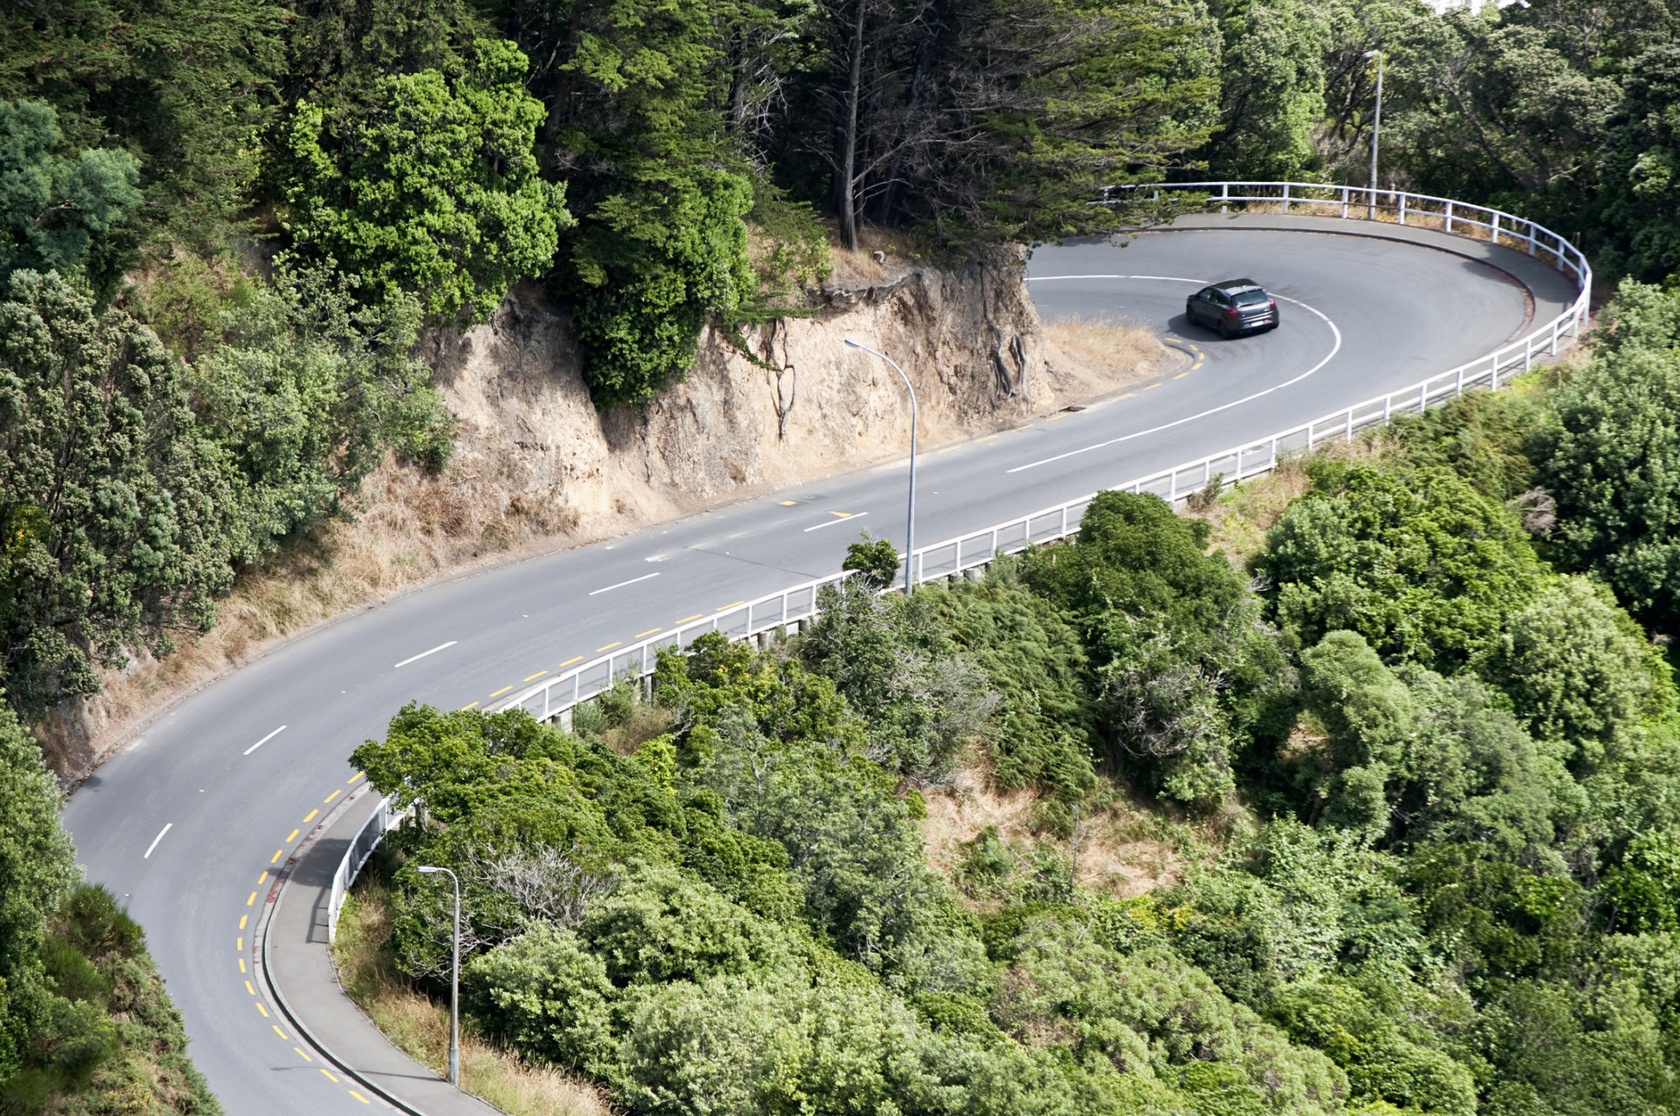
<point x="1358" y="202"/>
<point x="367" y="838"/>
<point x="554" y="697"/>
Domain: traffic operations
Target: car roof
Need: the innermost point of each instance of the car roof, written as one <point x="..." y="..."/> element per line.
<point x="1235" y="286"/>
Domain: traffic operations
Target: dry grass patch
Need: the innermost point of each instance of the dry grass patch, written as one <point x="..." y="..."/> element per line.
<point x="1126" y="351"/>
<point x="420" y="1028"/>
<point x="1243" y="513"/>
<point x="1112" y="852"/>
<point x="860" y="268"/>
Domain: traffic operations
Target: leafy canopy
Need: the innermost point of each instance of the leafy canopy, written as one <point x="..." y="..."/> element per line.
<point x="56" y="209"/>
<point x="433" y="190"/>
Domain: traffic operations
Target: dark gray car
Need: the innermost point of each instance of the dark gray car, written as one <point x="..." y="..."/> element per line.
<point x="1232" y="307"/>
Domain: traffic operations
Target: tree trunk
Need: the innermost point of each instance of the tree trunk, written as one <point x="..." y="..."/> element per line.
<point x="845" y="194"/>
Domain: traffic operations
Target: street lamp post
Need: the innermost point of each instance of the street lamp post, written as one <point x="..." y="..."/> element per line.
<point x="454" y="979"/>
<point x="910" y="524"/>
<point x="1376" y="128"/>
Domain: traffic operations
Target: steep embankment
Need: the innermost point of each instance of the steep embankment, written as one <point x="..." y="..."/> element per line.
<point x="537" y="467"/>
<point x="534" y="458"/>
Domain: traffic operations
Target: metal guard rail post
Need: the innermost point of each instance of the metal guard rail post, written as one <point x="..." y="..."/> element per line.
<point x="554" y="698"/>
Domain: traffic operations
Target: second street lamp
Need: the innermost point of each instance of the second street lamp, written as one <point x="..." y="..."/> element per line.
<point x="454" y="978"/>
<point x="910" y="525"/>
<point x="1376" y="127"/>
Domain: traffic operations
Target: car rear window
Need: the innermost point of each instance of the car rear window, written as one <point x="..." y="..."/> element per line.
<point x="1249" y="298"/>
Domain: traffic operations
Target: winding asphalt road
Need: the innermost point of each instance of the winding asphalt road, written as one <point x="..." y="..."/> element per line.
<point x="189" y="822"/>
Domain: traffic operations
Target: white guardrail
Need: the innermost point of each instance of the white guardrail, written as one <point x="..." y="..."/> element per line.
<point x="367" y="838"/>
<point x="549" y="699"/>
<point x="554" y="698"/>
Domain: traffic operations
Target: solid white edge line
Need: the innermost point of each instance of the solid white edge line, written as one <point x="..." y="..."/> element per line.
<point x="832" y="522"/>
<point x="156" y="839"/>
<point x="1331" y="355"/>
<point x="1150" y="278"/>
<point x="622" y="584"/>
<point x="423" y="654"/>
<point x="265" y="740"/>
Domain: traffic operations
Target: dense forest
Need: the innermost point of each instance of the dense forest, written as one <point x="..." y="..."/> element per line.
<point x="1419" y="752"/>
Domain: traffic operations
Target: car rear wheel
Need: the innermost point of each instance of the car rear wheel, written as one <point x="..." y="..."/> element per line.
<point x="1225" y="330"/>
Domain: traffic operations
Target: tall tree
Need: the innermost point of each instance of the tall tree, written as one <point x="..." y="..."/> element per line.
<point x="997" y="120"/>
<point x="187" y="86"/>
<point x="435" y="192"/>
<point x="1271" y="86"/>
<point x="57" y="209"/>
<point x="117" y="513"/>
<point x="637" y="94"/>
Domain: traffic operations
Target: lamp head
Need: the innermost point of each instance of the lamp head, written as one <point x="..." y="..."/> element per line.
<point x="1372" y="54"/>
<point x="853" y="344"/>
<point x="427" y="870"/>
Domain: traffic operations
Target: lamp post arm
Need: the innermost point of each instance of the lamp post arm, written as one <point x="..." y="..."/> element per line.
<point x="1376" y="130"/>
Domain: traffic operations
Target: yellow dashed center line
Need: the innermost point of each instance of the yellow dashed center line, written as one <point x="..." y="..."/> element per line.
<point x="1181" y="375"/>
<point x="570" y="661"/>
<point x="251" y="990"/>
<point x="242" y="967"/>
<point x="686" y="619"/>
<point x="1151" y="387"/>
<point x="501" y="691"/>
<point x="1128" y="395"/>
<point x="278" y="853"/>
<point x="469" y="705"/>
<point x="330" y="1076"/>
<point x="987" y="438"/>
<point x="239" y="944"/>
<point x="252" y="900"/>
<point x="262" y="879"/>
<point x="727" y="607"/>
<point x="310" y="816"/>
<point x="263" y="1010"/>
<point x="281" y="1033"/>
<point x="302" y="1055"/>
<point x="353" y="780"/>
<point x="242" y="920"/>
<point x="790" y="503"/>
<point x="292" y="836"/>
<point x="1195" y="366"/>
<point x="359" y="1097"/>
<point x="841" y="515"/>
<point x="650" y="631"/>
<point x="1058" y="417"/>
<point x="533" y="677"/>
<point x="328" y="800"/>
<point x="610" y="646"/>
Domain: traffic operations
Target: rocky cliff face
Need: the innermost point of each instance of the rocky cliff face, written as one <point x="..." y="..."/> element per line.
<point x="531" y="442"/>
